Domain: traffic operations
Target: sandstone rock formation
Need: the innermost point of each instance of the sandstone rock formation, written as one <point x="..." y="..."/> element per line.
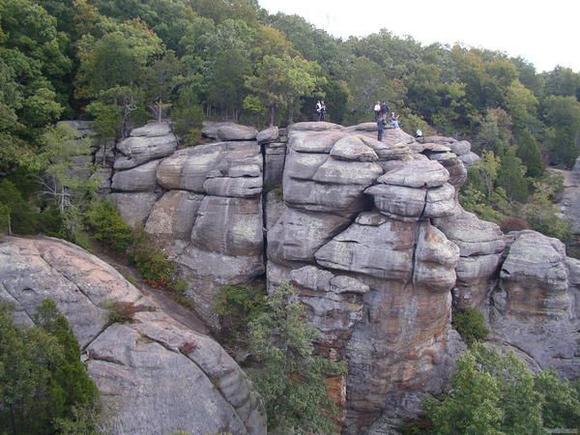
<point x="372" y="236"/>
<point x="535" y="308"/>
<point x="155" y="375"/>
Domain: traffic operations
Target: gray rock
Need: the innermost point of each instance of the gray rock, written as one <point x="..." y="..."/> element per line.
<point x="139" y="179"/>
<point x="314" y="126"/>
<point x="134" y="207"/>
<point x="298" y="234"/>
<point x="535" y="277"/>
<point x="275" y="158"/>
<point x="461" y="147"/>
<point x="353" y="148"/>
<point x="137" y="150"/>
<point x="243" y="187"/>
<point x="172" y="217"/>
<point x="189" y="168"/>
<point x="412" y="203"/>
<point x="154" y="374"/>
<point x="227" y="131"/>
<point x="469" y="159"/>
<point x="152" y="129"/>
<point x="230" y="226"/>
<point x="313" y="141"/>
<point x="417" y="173"/>
<point x="268" y="135"/>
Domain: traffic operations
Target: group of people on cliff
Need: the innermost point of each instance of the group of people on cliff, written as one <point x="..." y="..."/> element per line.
<point x="382" y="110"/>
<point x="382" y="116"/>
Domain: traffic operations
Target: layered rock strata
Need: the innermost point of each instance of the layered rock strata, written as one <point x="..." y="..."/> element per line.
<point x="154" y="374"/>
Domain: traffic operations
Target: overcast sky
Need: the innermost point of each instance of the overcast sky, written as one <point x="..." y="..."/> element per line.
<point x="547" y="33"/>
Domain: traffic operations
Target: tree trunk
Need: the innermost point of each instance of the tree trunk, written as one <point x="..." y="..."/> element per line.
<point x="160" y="110"/>
<point x="272" y="115"/>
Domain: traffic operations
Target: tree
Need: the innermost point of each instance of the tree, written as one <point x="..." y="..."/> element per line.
<point x="162" y="78"/>
<point x="563" y="116"/>
<point x="279" y="82"/>
<point x="529" y="151"/>
<point x="491" y="394"/>
<point x="41" y="374"/>
<point x="511" y="176"/>
<point x="291" y="377"/>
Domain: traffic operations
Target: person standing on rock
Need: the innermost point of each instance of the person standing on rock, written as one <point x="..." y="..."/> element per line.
<point x="377" y="110"/>
<point x="322" y="111"/>
<point x="384" y="108"/>
<point x="381" y="123"/>
<point x="319" y="109"/>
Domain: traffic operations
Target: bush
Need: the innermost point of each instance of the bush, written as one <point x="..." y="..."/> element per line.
<point x="291" y="378"/>
<point x="108" y="226"/>
<point x="494" y="393"/>
<point x="470" y="324"/>
<point x="123" y="312"/>
<point x="42" y="377"/>
<point x="157" y="270"/>
<point x="512" y="223"/>
<point x="237" y="306"/>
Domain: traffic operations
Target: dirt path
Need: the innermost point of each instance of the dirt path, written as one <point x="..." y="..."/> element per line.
<point x="183" y="315"/>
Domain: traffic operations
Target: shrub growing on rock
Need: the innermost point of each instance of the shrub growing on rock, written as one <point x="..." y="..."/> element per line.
<point x="237" y="306"/>
<point x="42" y="377"/>
<point x="470" y="324"/>
<point x="291" y="378"/>
<point x="497" y="394"/>
<point x="108" y="226"/>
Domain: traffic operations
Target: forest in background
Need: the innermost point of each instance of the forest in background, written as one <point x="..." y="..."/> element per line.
<point x="123" y="62"/>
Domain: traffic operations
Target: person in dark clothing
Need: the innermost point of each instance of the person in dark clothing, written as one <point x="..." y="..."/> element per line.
<point x="322" y="110"/>
<point x="384" y="108"/>
<point x="381" y="123"/>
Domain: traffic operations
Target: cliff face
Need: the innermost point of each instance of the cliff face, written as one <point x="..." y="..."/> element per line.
<point x="155" y="375"/>
<point x="372" y="236"/>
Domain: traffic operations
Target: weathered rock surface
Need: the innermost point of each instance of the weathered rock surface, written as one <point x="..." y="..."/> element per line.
<point x="534" y="309"/>
<point x="227" y="131"/>
<point x="141" y="178"/>
<point x="155" y="375"/>
<point x="153" y="141"/>
<point x="481" y="245"/>
<point x="372" y="236"/>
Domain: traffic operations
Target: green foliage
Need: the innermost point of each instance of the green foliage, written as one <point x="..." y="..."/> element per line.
<point x="237" y="306"/>
<point x="470" y="324"/>
<point x="511" y="176"/>
<point x="561" y="405"/>
<point x="291" y="377"/>
<point x="542" y="214"/>
<point x="187" y="117"/>
<point x="491" y="393"/>
<point x="107" y="226"/>
<point x="529" y="152"/>
<point x="280" y="81"/>
<point x="42" y="376"/>
<point x="151" y="262"/>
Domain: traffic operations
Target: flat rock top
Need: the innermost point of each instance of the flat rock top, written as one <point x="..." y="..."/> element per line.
<point x="417" y="173"/>
<point x="158" y="375"/>
<point x="152" y="129"/>
<point x="228" y="131"/>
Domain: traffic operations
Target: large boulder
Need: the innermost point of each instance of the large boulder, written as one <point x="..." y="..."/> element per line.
<point x="228" y="131"/>
<point x="155" y="375"/>
<point x="534" y="309"/>
<point x="481" y="245"/>
<point x="153" y="141"/>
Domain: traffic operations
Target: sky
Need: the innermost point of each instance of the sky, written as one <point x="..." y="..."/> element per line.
<point x="546" y="33"/>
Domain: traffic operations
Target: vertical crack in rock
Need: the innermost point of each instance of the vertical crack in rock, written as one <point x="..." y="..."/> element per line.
<point x="416" y="244"/>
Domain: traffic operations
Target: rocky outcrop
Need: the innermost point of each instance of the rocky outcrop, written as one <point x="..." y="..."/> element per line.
<point x="155" y="375"/>
<point x="481" y="245"/>
<point x="535" y="307"/>
<point x="570" y="204"/>
<point x="355" y="237"/>
<point x="372" y="236"/>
